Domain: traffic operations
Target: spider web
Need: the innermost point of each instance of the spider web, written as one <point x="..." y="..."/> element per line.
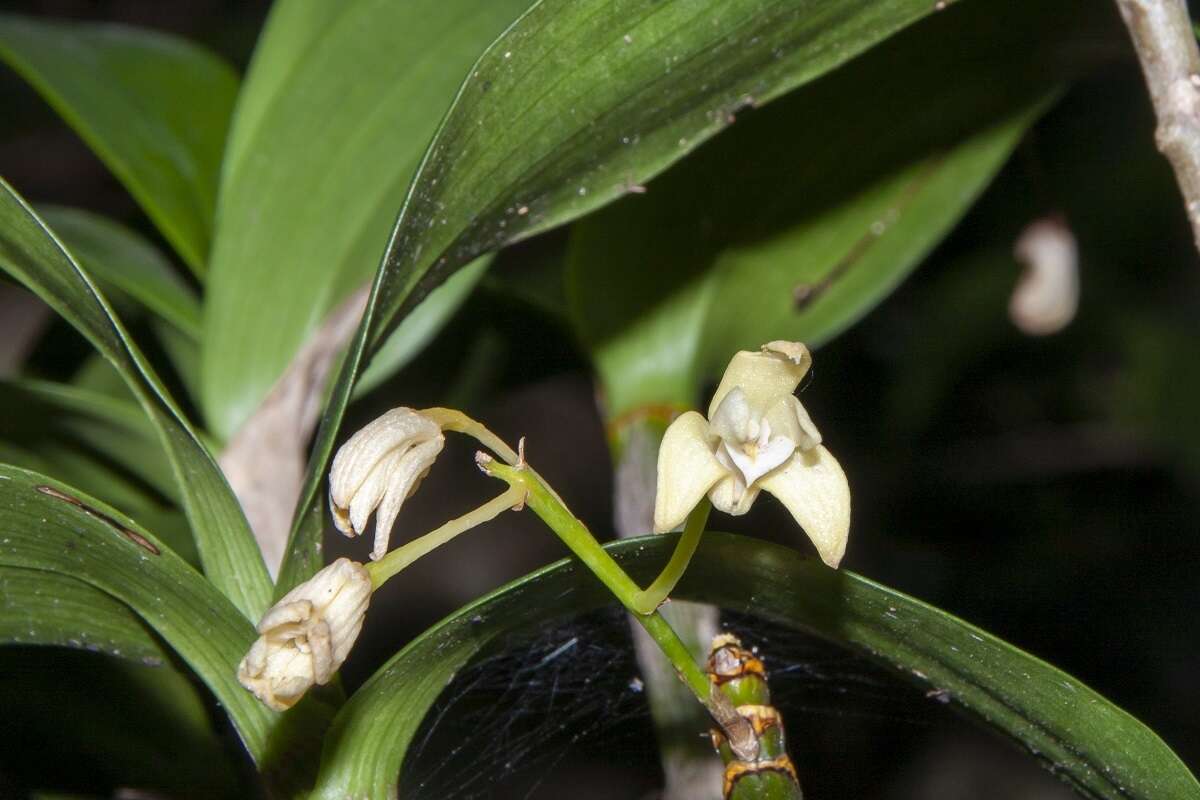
<point x="534" y="709"/>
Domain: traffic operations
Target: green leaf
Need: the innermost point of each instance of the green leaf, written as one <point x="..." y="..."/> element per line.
<point x="48" y="526"/>
<point x="46" y="608"/>
<point x="127" y="266"/>
<point x="100" y="444"/>
<point x="122" y="260"/>
<point x="1086" y="740"/>
<point x="116" y="428"/>
<point x="338" y="106"/>
<point x="809" y="213"/>
<point x="576" y="103"/>
<point x="153" y="107"/>
<point x="29" y="251"/>
<point x="73" y="463"/>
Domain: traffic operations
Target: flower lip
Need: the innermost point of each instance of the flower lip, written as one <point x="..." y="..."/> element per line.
<point x="745" y="440"/>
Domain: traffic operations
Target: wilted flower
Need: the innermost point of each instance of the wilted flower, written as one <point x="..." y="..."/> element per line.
<point x="757" y="436"/>
<point x="379" y="468"/>
<point x="307" y="635"/>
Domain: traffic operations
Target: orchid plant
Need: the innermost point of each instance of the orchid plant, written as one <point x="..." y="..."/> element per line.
<point x="165" y="496"/>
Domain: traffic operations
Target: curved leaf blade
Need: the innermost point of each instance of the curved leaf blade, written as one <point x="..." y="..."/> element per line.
<point x="31" y="253"/>
<point x="576" y="104"/>
<point x="120" y="259"/>
<point x="153" y="107"/>
<point x="338" y="106"/>
<point x="111" y="426"/>
<point x="101" y="444"/>
<point x="48" y="526"/>
<point x="47" y="608"/>
<point x="1100" y="749"/>
<point x="806" y="215"/>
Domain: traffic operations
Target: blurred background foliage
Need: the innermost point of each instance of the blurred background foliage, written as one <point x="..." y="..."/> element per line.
<point x="1046" y="489"/>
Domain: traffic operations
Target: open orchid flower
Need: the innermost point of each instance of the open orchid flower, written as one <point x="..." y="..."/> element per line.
<point x="379" y="468"/>
<point x="757" y="437"/>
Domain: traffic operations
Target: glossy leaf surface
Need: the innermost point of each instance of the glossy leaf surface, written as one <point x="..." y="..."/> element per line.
<point x="122" y="260"/>
<point x="339" y="103"/>
<point x="1098" y="748"/>
<point x="100" y="444"/>
<point x="576" y="103"/>
<point x="48" y="608"/>
<point x="808" y="213"/>
<point x="153" y="107"/>
<point x="31" y="253"/>
<point x="51" y="527"/>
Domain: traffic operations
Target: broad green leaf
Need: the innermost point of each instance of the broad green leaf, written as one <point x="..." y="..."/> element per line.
<point x="575" y="105"/>
<point x="339" y="103"/>
<point x="122" y="260"/>
<point x="72" y="462"/>
<point x="48" y="608"/>
<point x="49" y="526"/>
<point x="1087" y="741"/>
<point x="115" y="428"/>
<point x="99" y="444"/>
<point x="153" y="107"/>
<point x="794" y="224"/>
<point x="31" y="253"/>
<point x="127" y="266"/>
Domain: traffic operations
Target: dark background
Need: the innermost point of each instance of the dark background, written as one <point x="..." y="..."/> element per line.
<point x="1047" y="490"/>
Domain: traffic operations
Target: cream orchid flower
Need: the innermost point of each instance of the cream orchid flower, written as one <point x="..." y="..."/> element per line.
<point x="307" y="635"/>
<point x="757" y="437"/>
<point x="379" y="468"/>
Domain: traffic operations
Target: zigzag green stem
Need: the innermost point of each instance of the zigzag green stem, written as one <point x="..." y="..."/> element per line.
<point x="656" y="594"/>
<point x="575" y="535"/>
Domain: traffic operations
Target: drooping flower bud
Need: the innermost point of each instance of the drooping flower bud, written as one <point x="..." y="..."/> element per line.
<point x="305" y="637"/>
<point x="379" y="468"/>
<point x="757" y="437"/>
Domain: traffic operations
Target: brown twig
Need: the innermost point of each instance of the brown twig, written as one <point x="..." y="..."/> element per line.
<point x="1166" y="46"/>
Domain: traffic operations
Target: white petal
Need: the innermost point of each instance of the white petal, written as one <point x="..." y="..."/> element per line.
<point x="307" y="635"/>
<point x="404" y="479"/>
<point x="371" y="491"/>
<point x="362" y="452"/>
<point x="764" y="376"/>
<point x="320" y="642"/>
<point x="687" y="469"/>
<point x="814" y="488"/>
